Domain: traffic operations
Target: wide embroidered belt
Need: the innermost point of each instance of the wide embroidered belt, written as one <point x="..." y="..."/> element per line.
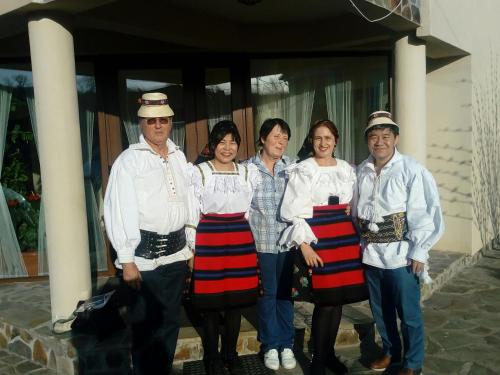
<point x="392" y="229"/>
<point x="154" y="245"/>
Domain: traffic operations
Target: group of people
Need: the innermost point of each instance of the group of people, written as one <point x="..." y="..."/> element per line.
<point x="268" y="231"/>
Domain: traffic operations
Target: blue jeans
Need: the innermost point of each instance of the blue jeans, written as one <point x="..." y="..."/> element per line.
<point x="275" y="307"/>
<point x="396" y="292"/>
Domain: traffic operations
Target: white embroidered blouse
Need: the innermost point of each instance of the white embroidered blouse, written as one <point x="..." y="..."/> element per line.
<point x="311" y="185"/>
<point x="221" y="192"/>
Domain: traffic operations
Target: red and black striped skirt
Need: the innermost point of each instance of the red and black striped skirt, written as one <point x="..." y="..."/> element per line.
<point x="225" y="272"/>
<point x="341" y="280"/>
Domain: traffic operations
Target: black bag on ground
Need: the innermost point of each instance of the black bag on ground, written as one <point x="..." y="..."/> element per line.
<point x="100" y="315"/>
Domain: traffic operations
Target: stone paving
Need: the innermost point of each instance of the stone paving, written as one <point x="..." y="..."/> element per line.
<point x="462" y="322"/>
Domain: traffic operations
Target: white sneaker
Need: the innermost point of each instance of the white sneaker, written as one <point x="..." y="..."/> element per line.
<point x="271" y="359"/>
<point x="288" y="359"/>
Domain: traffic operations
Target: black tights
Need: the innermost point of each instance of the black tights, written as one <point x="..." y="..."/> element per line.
<point x="229" y="334"/>
<point x="325" y="326"/>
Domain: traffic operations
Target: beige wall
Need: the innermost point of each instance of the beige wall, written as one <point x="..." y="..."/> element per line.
<point x="473" y="27"/>
<point x="449" y="144"/>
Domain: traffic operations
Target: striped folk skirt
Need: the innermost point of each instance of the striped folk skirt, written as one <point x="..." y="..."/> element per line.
<point x="341" y="280"/>
<point x="225" y="272"/>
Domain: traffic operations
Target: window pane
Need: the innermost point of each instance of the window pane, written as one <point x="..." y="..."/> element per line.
<point x="218" y="95"/>
<point x="302" y="91"/>
<point x="21" y="179"/>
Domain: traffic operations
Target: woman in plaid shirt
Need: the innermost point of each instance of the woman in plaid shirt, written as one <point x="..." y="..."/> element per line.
<point x="275" y="307"/>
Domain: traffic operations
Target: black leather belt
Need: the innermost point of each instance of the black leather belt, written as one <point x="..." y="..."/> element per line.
<point x="154" y="245"/>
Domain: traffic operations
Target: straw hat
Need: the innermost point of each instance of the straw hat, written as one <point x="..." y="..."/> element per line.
<point x="379" y="118"/>
<point x="154" y="104"/>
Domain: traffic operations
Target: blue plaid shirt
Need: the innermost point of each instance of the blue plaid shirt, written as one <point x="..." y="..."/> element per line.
<point x="264" y="214"/>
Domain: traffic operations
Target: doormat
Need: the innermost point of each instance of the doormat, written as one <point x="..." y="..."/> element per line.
<point x="251" y="363"/>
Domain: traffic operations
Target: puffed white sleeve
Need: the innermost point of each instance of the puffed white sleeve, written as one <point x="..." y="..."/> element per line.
<point x="195" y="186"/>
<point x="354" y="183"/>
<point x="254" y="176"/>
<point x="424" y="215"/>
<point x="121" y="212"/>
<point x="297" y="206"/>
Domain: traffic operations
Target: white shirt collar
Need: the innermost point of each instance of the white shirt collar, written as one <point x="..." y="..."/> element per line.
<point x="370" y="162"/>
<point x="143" y="145"/>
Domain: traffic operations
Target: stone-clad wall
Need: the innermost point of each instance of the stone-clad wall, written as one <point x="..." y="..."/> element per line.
<point x="38" y="348"/>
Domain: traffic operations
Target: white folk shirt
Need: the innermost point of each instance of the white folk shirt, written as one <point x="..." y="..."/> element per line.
<point x="403" y="185"/>
<point x="146" y="192"/>
<point x="311" y="185"/>
<point x="222" y="192"/>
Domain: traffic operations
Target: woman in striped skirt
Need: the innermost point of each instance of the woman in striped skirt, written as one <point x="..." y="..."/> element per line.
<point x="225" y="275"/>
<point x="328" y="270"/>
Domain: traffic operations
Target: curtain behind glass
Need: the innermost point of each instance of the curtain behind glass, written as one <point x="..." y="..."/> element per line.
<point x="218" y="106"/>
<point x="339" y="104"/>
<point x="11" y="261"/>
<point x="43" y="264"/>
<point x="98" y="253"/>
<point x="348" y="114"/>
<point x="130" y="120"/>
<point x="291" y="100"/>
<point x="178" y="134"/>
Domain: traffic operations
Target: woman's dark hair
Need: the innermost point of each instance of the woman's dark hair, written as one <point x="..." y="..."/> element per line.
<point x="268" y="126"/>
<point x="307" y="147"/>
<point x="393" y="128"/>
<point x="219" y="131"/>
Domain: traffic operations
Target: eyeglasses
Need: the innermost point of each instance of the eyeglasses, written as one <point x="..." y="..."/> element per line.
<point x="152" y="120"/>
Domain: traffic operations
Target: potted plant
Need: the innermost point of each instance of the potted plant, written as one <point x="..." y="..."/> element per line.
<point x="24" y="212"/>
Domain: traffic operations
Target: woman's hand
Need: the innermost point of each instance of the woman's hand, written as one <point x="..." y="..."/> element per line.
<point x="348" y="210"/>
<point x="312" y="259"/>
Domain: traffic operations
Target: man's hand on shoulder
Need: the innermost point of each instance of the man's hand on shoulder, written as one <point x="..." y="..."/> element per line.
<point x="131" y="275"/>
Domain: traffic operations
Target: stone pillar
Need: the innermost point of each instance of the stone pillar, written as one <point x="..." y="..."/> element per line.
<point x="410" y="97"/>
<point x="60" y="154"/>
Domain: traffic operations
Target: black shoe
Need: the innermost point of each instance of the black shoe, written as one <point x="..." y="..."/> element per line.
<point x="317" y="368"/>
<point x="337" y="367"/>
<point x="235" y="367"/>
<point x="213" y="367"/>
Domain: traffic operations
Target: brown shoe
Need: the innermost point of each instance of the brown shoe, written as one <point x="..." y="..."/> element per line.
<point x="380" y="364"/>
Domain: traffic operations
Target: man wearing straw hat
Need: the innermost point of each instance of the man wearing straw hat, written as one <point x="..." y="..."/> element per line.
<point x="400" y="219"/>
<point x="145" y="210"/>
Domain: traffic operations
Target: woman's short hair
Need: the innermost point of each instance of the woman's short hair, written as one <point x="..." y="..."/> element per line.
<point x="219" y="131"/>
<point x="268" y="126"/>
<point x="307" y="147"/>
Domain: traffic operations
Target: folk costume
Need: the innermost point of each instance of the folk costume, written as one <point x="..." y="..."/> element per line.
<point x="145" y="209"/>
<point x="225" y="274"/>
<point x="401" y="219"/>
<point x="315" y="202"/>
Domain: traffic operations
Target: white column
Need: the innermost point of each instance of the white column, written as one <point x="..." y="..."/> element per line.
<point x="409" y="97"/>
<point x="60" y="154"/>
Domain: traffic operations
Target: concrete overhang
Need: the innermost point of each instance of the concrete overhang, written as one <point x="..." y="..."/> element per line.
<point x="219" y="25"/>
<point x="66" y="6"/>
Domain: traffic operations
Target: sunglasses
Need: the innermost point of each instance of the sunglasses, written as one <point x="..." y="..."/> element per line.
<point x="152" y="120"/>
